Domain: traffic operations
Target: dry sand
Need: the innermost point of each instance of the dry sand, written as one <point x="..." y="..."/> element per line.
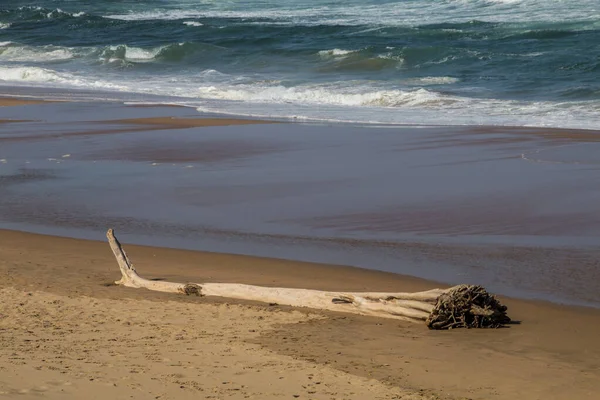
<point x="66" y="332"/>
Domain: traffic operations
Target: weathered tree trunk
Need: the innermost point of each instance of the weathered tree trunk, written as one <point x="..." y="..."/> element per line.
<point x="418" y="306"/>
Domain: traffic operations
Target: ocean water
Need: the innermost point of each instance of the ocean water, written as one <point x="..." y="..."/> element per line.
<point x="458" y="62"/>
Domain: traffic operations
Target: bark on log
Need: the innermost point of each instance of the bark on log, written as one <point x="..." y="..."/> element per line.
<point x="417" y="307"/>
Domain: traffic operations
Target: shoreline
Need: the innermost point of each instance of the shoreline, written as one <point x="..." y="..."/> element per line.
<point x="481" y="205"/>
<point x="558" y="342"/>
<point x="302" y="278"/>
<point x="556" y="132"/>
<point x="295" y="249"/>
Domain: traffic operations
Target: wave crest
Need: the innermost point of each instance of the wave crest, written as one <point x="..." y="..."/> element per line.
<point x="396" y="13"/>
<point x="432" y="80"/>
<point x="335" y="53"/>
<point x="46" y="77"/>
<point x="36" y="13"/>
<point x="168" y="53"/>
<point x="123" y="53"/>
<point x="30" y="74"/>
<point x="34" y="54"/>
<point x="328" y="95"/>
<point x="192" y="23"/>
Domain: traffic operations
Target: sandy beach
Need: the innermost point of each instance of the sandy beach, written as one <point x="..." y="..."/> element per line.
<point x="244" y="186"/>
<point x="66" y="331"/>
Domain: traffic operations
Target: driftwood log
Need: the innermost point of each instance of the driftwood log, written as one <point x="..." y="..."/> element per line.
<point x="467" y="306"/>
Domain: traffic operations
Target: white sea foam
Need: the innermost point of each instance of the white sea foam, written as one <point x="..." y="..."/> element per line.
<point x="35" y="54"/>
<point x="59" y="12"/>
<point x="467" y="112"/>
<point x="30" y="74"/>
<point x="38" y="8"/>
<point x="345" y="96"/>
<point x="192" y="23"/>
<point x="2" y="44"/>
<point x="356" y="101"/>
<point x="388" y="14"/>
<point x="391" y="56"/>
<point x="156" y="15"/>
<point x="138" y="54"/>
<point x="4" y="25"/>
<point x="335" y="53"/>
<point x="534" y="54"/>
<point x="120" y="53"/>
<point x="50" y="78"/>
<point x="503" y="1"/>
<point x="432" y="80"/>
<point x="53" y="13"/>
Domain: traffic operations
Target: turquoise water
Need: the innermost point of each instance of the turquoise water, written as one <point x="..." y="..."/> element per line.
<point x="501" y="62"/>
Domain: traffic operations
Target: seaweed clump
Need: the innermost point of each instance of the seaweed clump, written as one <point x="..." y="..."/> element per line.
<point x="467" y="306"/>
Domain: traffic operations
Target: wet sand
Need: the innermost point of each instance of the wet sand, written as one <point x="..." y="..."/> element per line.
<point x="514" y="209"/>
<point x="173" y="341"/>
<point x="173" y="123"/>
<point x="8" y="121"/>
<point x="8" y="102"/>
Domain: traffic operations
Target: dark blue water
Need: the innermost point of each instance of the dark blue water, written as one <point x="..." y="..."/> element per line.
<point x="505" y="62"/>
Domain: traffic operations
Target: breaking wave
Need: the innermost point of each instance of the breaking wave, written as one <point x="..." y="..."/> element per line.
<point x="335" y="53"/>
<point x="390" y="14"/>
<point x="32" y="74"/>
<point x="34" y="54"/>
<point x="192" y="23"/>
<point x="358" y="103"/>
<point x="52" y="78"/>
<point x="167" y="53"/>
<point x="432" y="80"/>
<point x="12" y="52"/>
<point x="39" y="13"/>
<point x="315" y="95"/>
